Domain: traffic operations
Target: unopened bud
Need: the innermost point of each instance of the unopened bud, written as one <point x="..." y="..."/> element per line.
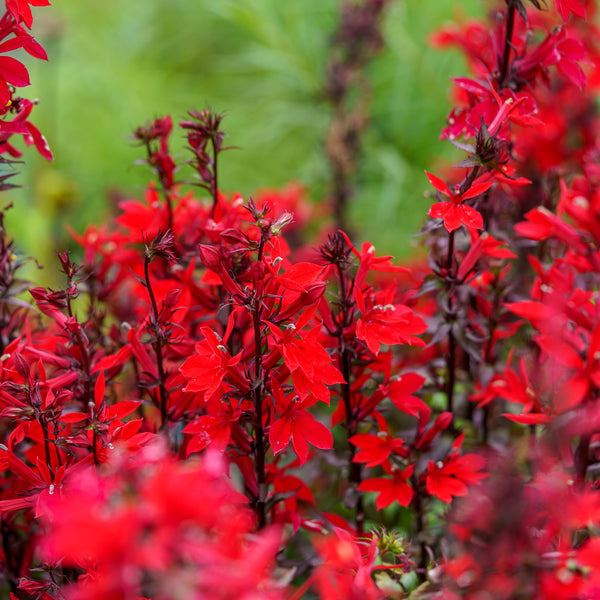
<point x="285" y="219"/>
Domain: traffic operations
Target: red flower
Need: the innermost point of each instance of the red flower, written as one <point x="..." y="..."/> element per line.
<point x="43" y="484"/>
<point x="452" y="476"/>
<point x="20" y="124"/>
<point x="400" y="391"/>
<point x="368" y="261"/>
<point x="586" y="375"/>
<point x="208" y="430"/>
<point x="308" y="362"/>
<point x="376" y="449"/>
<point x="389" y="324"/>
<point x="21" y="10"/>
<point x="391" y="490"/>
<point x="455" y="213"/>
<point x="542" y="224"/>
<point x="298" y="426"/>
<point x="516" y="387"/>
<point x="346" y="568"/>
<point x="557" y="50"/>
<point x="210" y="365"/>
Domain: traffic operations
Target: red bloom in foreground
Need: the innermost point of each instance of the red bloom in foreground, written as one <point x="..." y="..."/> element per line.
<point x="139" y="525"/>
<point x="455" y="213"/>
<point x="346" y="568"/>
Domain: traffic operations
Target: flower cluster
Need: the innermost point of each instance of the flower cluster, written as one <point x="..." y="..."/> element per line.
<point x="519" y="300"/>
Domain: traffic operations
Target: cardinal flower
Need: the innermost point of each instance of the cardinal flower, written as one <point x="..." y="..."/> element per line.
<point x="454" y="212"/>
<point x="452" y="476"/>
<point x="298" y="426"/>
<point x="383" y="322"/>
<point x="308" y="361"/>
<point x="376" y="449"/>
<point x="390" y="489"/>
<point x="210" y="365"/>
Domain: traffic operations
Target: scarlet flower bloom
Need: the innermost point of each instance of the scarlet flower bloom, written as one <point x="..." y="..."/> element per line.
<point x="42" y="484"/>
<point x="210" y="365"/>
<point x="208" y="430"/>
<point x="394" y="489"/>
<point x="401" y="392"/>
<point x="376" y="449"/>
<point x="368" y="261"/>
<point x="452" y="476"/>
<point x="308" y="361"/>
<point x="388" y="323"/>
<point x="482" y="245"/>
<point x="346" y="571"/>
<point x="584" y="372"/>
<point x="298" y="426"/>
<point x="454" y="212"/>
<point x="517" y="387"/>
<point x="541" y="224"/>
<point x="21" y="9"/>
<point x="565" y="53"/>
<point x="139" y="526"/>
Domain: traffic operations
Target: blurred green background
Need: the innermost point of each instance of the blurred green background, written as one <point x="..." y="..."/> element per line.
<point x="115" y="64"/>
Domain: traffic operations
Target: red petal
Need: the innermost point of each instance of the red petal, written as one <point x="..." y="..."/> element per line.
<point x="99" y="390"/>
<point x="455" y="217"/>
<point x="74" y="417"/>
<point x="445" y="488"/>
<point x="35" y="49"/>
<point x="574" y="72"/>
<point x="314" y="432"/>
<point x="384" y="487"/>
<point x="36" y="137"/>
<point x="531" y="310"/>
<point x="561" y="352"/>
<point x="471" y="217"/>
<point x="113" y="360"/>
<point x="122" y="409"/>
<point x="300" y="448"/>
<point x="14" y="43"/>
<point x="438" y="184"/>
<point x="439" y="210"/>
<point x="13" y="71"/>
<point x="477" y="189"/>
<point x="280" y="434"/>
<point x="529" y="419"/>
